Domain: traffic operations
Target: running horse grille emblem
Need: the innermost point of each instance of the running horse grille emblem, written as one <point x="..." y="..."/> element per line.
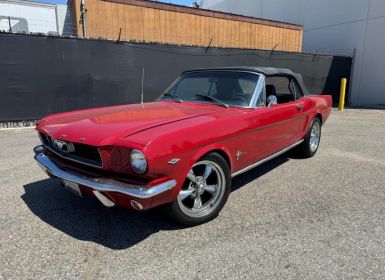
<point x="65" y="147"/>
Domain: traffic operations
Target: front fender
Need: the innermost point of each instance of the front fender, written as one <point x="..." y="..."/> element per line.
<point x="198" y="154"/>
<point x="208" y="149"/>
<point x="187" y="160"/>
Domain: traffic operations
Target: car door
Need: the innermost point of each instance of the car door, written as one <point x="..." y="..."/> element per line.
<point x="280" y="125"/>
<point x="304" y="106"/>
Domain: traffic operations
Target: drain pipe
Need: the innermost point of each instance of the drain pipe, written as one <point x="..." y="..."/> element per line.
<point x="83" y="17"/>
<point x="10" y="25"/>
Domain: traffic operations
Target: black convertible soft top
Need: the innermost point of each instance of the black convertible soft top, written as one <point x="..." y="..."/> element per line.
<point x="267" y="71"/>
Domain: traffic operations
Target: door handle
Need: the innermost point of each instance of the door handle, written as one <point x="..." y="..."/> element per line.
<point x="300" y="107"/>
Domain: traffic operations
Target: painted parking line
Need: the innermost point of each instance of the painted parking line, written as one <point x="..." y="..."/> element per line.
<point x="16" y="128"/>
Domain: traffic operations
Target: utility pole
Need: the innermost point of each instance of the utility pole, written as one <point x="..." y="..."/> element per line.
<point x="83" y="17"/>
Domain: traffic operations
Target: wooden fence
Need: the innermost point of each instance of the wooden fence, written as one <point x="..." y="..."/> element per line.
<point x="147" y="21"/>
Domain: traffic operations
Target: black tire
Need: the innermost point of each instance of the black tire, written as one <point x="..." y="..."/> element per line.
<point x="307" y="149"/>
<point x="179" y="210"/>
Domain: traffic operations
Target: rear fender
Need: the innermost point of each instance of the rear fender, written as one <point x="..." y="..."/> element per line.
<point x="322" y="106"/>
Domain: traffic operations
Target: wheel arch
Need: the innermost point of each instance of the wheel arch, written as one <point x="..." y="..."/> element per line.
<point x="222" y="153"/>
<point x="196" y="155"/>
<point x="221" y="150"/>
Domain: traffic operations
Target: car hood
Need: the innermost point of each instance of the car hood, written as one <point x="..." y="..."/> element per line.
<point x="104" y="126"/>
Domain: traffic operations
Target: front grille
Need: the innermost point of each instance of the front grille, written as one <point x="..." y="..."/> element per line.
<point x="80" y="153"/>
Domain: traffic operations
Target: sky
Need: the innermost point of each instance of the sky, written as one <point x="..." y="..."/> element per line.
<point x="178" y="2"/>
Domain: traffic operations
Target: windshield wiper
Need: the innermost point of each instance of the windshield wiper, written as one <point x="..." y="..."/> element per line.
<point x="176" y="98"/>
<point x="217" y="101"/>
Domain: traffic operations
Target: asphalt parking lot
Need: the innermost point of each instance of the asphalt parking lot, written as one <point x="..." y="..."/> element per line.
<point x="319" y="218"/>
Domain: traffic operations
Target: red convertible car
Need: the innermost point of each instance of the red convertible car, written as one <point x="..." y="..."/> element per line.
<point x="182" y="150"/>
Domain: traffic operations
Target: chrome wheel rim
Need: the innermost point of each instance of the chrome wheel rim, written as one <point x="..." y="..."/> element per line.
<point x="315" y="134"/>
<point x="203" y="190"/>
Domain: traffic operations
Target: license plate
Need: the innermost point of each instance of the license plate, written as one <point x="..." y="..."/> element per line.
<point x="72" y="187"/>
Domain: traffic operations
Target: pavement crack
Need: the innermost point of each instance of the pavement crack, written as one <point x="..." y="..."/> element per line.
<point x="92" y="261"/>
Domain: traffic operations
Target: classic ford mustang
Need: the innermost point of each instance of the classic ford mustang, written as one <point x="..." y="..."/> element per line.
<point x="182" y="150"/>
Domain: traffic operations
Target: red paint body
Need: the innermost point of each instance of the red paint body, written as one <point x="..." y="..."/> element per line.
<point x="166" y="130"/>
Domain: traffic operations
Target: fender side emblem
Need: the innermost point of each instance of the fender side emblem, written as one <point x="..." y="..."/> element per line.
<point x="174" y="161"/>
<point x="239" y="154"/>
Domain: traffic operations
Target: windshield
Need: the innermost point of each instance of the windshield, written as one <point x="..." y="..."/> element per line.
<point x="224" y="88"/>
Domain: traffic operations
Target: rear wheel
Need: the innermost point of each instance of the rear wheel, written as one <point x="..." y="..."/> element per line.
<point x="312" y="139"/>
<point x="204" y="193"/>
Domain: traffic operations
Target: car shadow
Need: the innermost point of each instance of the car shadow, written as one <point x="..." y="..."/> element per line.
<point x="259" y="171"/>
<point x="116" y="228"/>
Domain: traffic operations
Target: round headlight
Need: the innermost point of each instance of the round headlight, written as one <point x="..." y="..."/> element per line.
<point x="138" y="161"/>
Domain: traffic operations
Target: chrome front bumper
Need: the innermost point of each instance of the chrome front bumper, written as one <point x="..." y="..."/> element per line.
<point x="100" y="184"/>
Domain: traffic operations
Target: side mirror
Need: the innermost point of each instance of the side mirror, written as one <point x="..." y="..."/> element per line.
<point x="271" y="100"/>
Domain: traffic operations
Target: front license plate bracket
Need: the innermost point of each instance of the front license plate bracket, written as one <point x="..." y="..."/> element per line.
<point x="72" y="187"/>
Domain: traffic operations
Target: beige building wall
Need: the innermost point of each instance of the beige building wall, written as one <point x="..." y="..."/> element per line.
<point x="343" y="27"/>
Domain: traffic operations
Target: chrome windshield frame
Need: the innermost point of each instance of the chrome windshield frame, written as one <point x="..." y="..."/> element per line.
<point x="259" y="93"/>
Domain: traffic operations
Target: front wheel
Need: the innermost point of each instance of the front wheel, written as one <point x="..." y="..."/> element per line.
<point x="204" y="193"/>
<point x="312" y="139"/>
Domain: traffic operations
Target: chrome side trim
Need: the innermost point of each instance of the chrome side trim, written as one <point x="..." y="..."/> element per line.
<point x="102" y="184"/>
<point x="265" y="159"/>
